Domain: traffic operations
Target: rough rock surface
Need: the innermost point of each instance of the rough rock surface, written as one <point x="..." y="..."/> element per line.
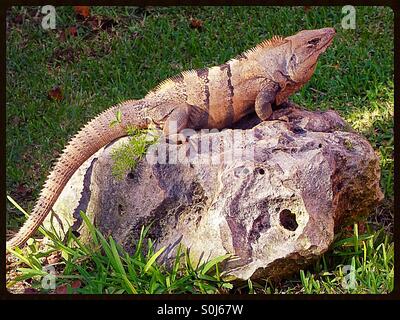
<point x="274" y="195"/>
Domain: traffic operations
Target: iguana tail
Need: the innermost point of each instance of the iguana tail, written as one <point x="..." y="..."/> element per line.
<point x="94" y="135"/>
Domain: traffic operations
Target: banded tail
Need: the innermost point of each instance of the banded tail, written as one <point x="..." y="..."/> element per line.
<point x="94" y="135"/>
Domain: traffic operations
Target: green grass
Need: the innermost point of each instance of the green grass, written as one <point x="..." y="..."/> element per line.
<point x="104" y="267"/>
<point x="368" y="257"/>
<point x="145" y="46"/>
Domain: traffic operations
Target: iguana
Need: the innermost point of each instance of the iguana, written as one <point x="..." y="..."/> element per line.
<point x="215" y="97"/>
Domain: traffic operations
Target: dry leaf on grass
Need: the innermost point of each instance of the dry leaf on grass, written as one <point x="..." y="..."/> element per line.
<point x="55" y="94"/>
<point x="82" y="11"/>
<point x="73" y="31"/>
<point x="63" y="289"/>
<point x="196" y="23"/>
<point x="23" y="191"/>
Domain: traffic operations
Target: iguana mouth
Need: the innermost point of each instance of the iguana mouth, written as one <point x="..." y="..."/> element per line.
<point x="326" y="45"/>
<point x="323" y="47"/>
<point x="328" y="41"/>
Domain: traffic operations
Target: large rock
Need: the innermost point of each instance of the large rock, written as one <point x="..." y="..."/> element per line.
<point x="272" y="193"/>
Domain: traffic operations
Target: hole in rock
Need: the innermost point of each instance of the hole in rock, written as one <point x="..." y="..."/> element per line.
<point x="288" y="220"/>
<point x="130" y="175"/>
<point x="298" y="130"/>
<point x="261" y="171"/>
<point x="120" y="210"/>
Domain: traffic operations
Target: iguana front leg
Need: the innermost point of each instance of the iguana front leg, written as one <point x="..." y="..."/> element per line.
<point x="176" y="122"/>
<point x="264" y="100"/>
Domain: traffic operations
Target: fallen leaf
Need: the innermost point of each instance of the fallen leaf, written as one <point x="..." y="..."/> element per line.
<point x="362" y="228"/>
<point x="73" y="31"/>
<point x="76" y="284"/>
<point x="55" y="94"/>
<point x="82" y="11"/>
<point x="19" y="19"/>
<point x="61" y="35"/>
<point x="196" y="23"/>
<point x="64" y="55"/>
<point x="23" y="191"/>
<point x="62" y="289"/>
<point x="349" y="228"/>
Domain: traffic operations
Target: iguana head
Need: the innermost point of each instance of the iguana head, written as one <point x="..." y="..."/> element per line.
<point x="295" y="59"/>
<point x="304" y="49"/>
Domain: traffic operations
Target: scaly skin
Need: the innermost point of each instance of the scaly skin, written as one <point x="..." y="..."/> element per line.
<point x="215" y="97"/>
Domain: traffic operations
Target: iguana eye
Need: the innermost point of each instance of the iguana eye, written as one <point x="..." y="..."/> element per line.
<point x="314" y="41"/>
